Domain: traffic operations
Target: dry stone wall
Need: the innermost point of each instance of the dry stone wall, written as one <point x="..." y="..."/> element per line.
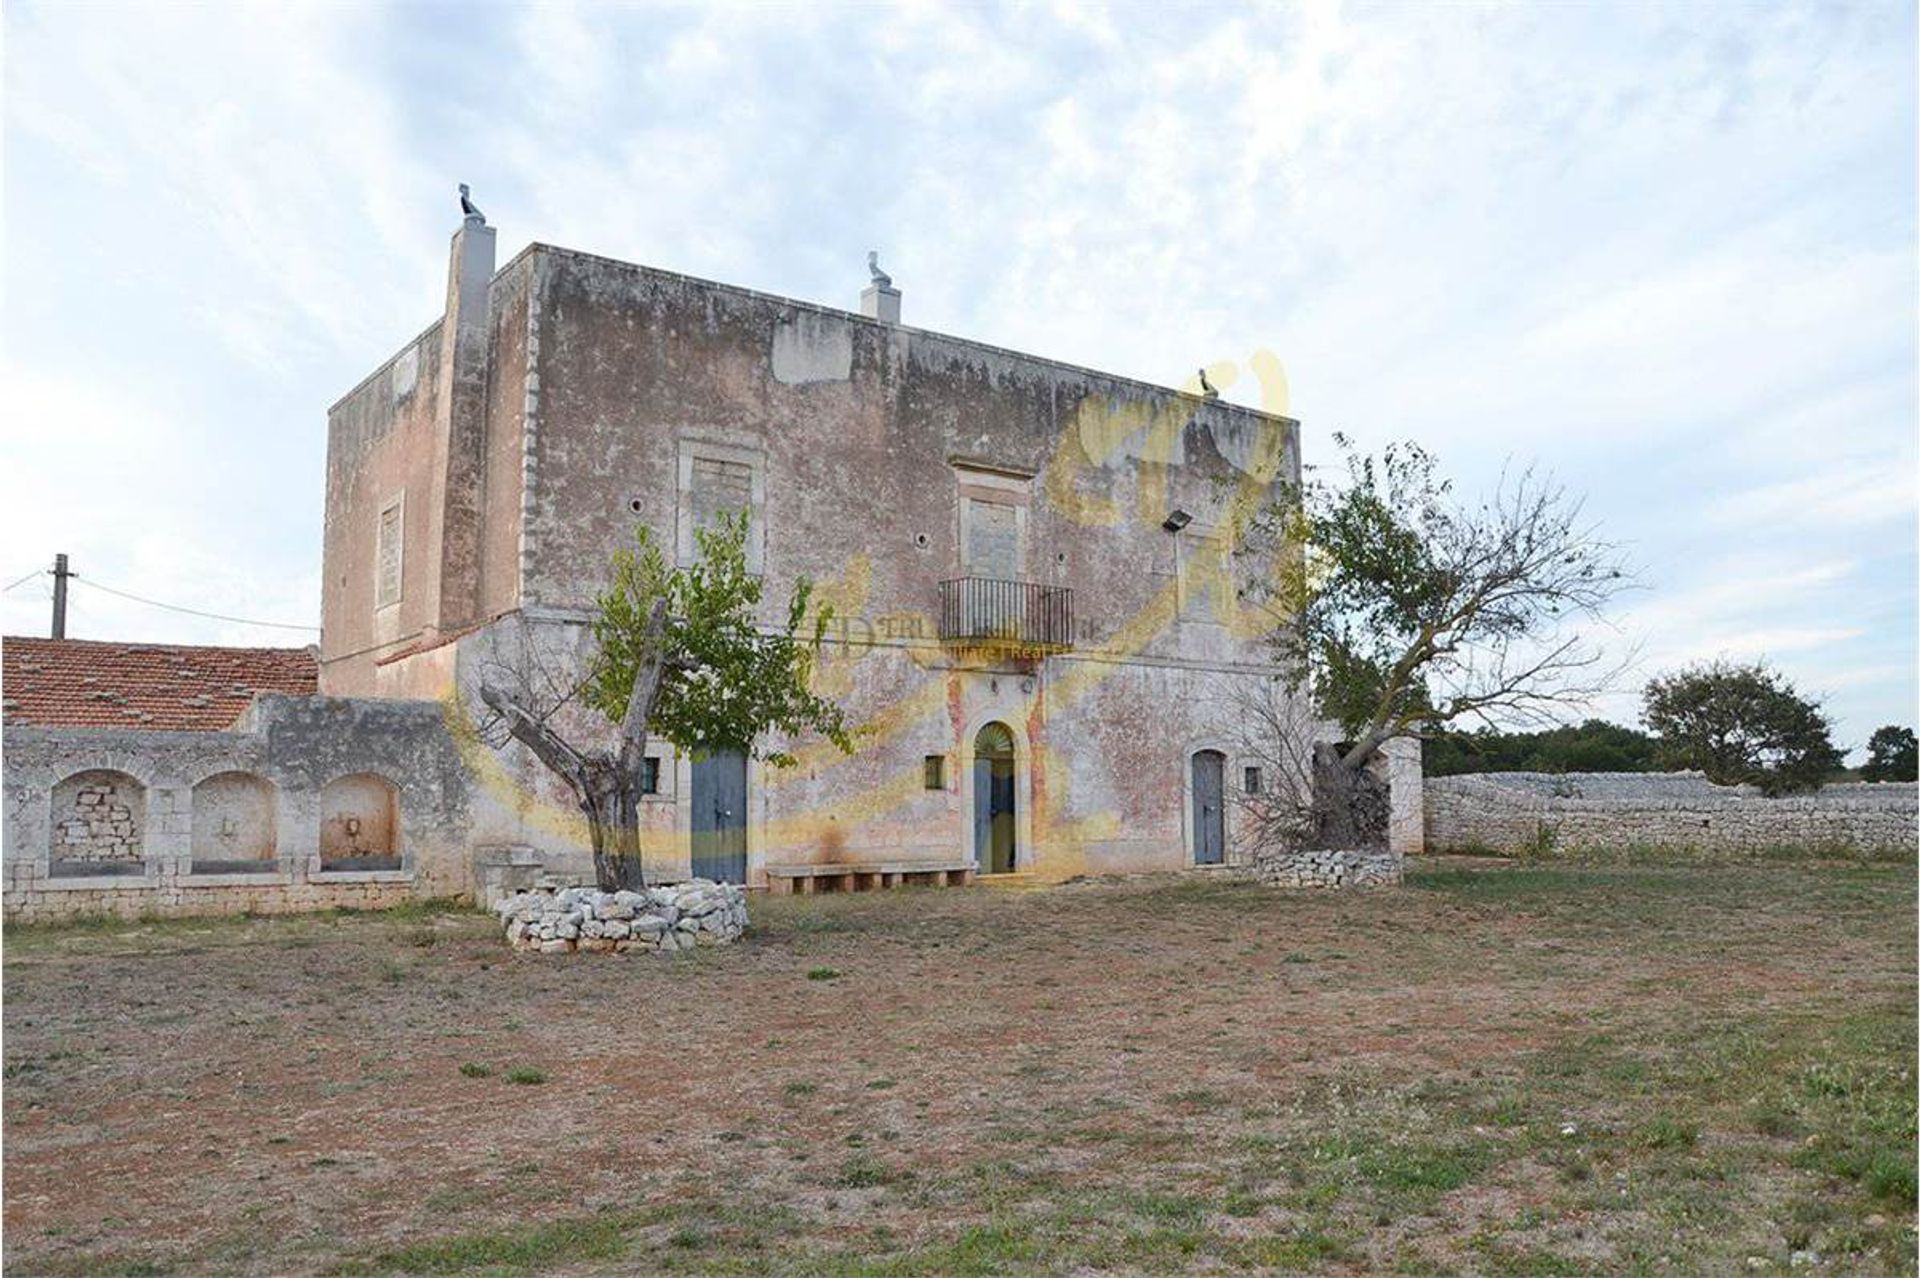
<point x="1329" y="869"/>
<point x="97" y="820"/>
<point x="678" y="916"/>
<point x="1517" y="813"/>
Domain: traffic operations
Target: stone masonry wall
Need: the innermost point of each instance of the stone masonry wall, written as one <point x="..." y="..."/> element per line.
<point x="285" y="753"/>
<point x="98" y="818"/>
<point x="1521" y="812"/>
<point x="1313" y="869"/>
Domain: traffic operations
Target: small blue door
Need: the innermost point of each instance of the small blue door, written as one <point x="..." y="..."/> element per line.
<point x="720" y="817"/>
<point x="1209" y="820"/>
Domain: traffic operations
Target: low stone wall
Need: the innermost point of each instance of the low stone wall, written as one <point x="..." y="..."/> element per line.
<point x="237" y="821"/>
<point x="666" y="919"/>
<point x="1520" y="813"/>
<point x="1329" y="869"/>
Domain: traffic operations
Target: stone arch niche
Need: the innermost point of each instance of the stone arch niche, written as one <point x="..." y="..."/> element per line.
<point x="99" y="825"/>
<point x="234" y="824"/>
<point x="360" y="823"/>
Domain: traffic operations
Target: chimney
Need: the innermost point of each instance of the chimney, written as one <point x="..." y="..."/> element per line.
<point x="459" y="461"/>
<point x="880" y="300"/>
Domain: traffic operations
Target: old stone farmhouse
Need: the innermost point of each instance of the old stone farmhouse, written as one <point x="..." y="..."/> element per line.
<point x="1034" y="568"/>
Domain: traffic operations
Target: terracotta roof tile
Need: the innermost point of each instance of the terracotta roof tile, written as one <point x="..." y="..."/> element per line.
<point x="85" y="683"/>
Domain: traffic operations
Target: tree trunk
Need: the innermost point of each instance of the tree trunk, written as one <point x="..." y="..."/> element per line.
<point x="608" y="782"/>
<point x="613" y="819"/>
<point x="1350" y="804"/>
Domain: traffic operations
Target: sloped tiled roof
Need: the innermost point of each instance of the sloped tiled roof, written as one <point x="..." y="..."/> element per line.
<point x="83" y="683"/>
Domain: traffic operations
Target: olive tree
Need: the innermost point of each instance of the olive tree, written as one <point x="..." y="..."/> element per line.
<point x="1401" y="609"/>
<point x="678" y="652"/>
<point x="1893" y="754"/>
<point x="1741" y="723"/>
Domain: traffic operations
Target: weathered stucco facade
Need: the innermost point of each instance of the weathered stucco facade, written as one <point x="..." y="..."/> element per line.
<point x="480" y="482"/>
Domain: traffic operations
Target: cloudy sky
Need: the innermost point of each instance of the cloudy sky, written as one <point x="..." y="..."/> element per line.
<point x="1667" y="252"/>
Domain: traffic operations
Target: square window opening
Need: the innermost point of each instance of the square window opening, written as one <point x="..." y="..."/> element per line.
<point x="936" y="772"/>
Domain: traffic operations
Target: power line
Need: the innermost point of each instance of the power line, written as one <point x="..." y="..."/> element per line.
<point x="192" y="612"/>
<point x="37" y="572"/>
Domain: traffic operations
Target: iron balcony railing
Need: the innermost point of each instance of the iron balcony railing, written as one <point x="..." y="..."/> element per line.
<point x="989" y="612"/>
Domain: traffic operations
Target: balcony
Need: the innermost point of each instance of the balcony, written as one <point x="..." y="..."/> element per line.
<point x="1021" y="616"/>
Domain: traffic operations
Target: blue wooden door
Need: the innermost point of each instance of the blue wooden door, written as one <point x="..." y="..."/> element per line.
<point x="720" y="817"/>
<point x="1209" y="820"/>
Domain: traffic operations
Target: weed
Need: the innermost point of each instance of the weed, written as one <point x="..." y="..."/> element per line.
<point x="863" y="1170"/>
<point x="1666" y="1132"/>
<point x="528" y="1248"/>
<point x="823" y="974"/>
<point x="473" y="1069"/>
<point x="525" y="1076"/>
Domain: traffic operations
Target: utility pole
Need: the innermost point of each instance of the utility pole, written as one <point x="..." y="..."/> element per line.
<point x="60" y="575"/>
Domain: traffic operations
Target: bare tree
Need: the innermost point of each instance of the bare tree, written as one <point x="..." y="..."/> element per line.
<point x="1400" y="609"/>
<point x="1275" y="731"/>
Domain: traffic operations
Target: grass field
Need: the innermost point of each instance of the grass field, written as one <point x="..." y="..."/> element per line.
<point x="1497" y="1069"/>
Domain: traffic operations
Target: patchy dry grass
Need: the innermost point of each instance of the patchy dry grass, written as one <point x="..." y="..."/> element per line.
<point x="1559" y="1069"/>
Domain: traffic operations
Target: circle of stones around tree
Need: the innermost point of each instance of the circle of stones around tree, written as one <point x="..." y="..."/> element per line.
<point x="666" y="919"/>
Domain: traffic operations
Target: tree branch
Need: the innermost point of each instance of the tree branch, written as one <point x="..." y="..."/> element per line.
<point x="547" y="745"/>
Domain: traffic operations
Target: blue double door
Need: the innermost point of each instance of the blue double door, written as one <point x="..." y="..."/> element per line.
<point x="719" y="817"/>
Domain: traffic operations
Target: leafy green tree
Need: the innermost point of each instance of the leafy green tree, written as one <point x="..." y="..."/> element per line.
<point x="1892" y="755"/>
<point x="1403" y="609"/>
<point x="1741" y="724"/>
<point x="680" y="652"/>
<point x="1592" y="746"/>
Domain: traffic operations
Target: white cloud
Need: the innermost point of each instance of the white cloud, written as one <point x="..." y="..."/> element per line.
<point x="1668" y="250"/>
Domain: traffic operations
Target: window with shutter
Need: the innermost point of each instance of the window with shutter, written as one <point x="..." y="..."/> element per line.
<point x="720" y="489"/>
<point x="389" y="554"/>
<point x="993" y="540"/>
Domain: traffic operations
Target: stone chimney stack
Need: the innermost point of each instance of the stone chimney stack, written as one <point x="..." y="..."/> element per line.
<point x="459" y="461"/>
<point x="880" y="300"/>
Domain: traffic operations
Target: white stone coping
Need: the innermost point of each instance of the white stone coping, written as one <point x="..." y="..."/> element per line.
<point x="146" y="882"/>
<point x="358" y="876"/>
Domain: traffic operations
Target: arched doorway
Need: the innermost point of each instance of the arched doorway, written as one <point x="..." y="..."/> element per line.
<point x="1209" y="807"/>
<point x="993" y="802"/>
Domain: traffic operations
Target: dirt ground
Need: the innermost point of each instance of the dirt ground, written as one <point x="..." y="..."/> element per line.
<point x="1496" y="1069"/>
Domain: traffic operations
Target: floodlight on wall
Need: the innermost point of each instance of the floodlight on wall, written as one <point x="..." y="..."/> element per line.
<point x="1176" y="520"/>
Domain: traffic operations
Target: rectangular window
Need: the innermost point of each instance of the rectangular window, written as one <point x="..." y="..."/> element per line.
<point x="389" y="554"/>
<point x="993" y="540"/>
<point x="717" y="481"/>
<point x="650" y="776"/>
<point x="1253" y="780"/>
<point x="720" y="489"/>
<point x="936" y="772"/>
